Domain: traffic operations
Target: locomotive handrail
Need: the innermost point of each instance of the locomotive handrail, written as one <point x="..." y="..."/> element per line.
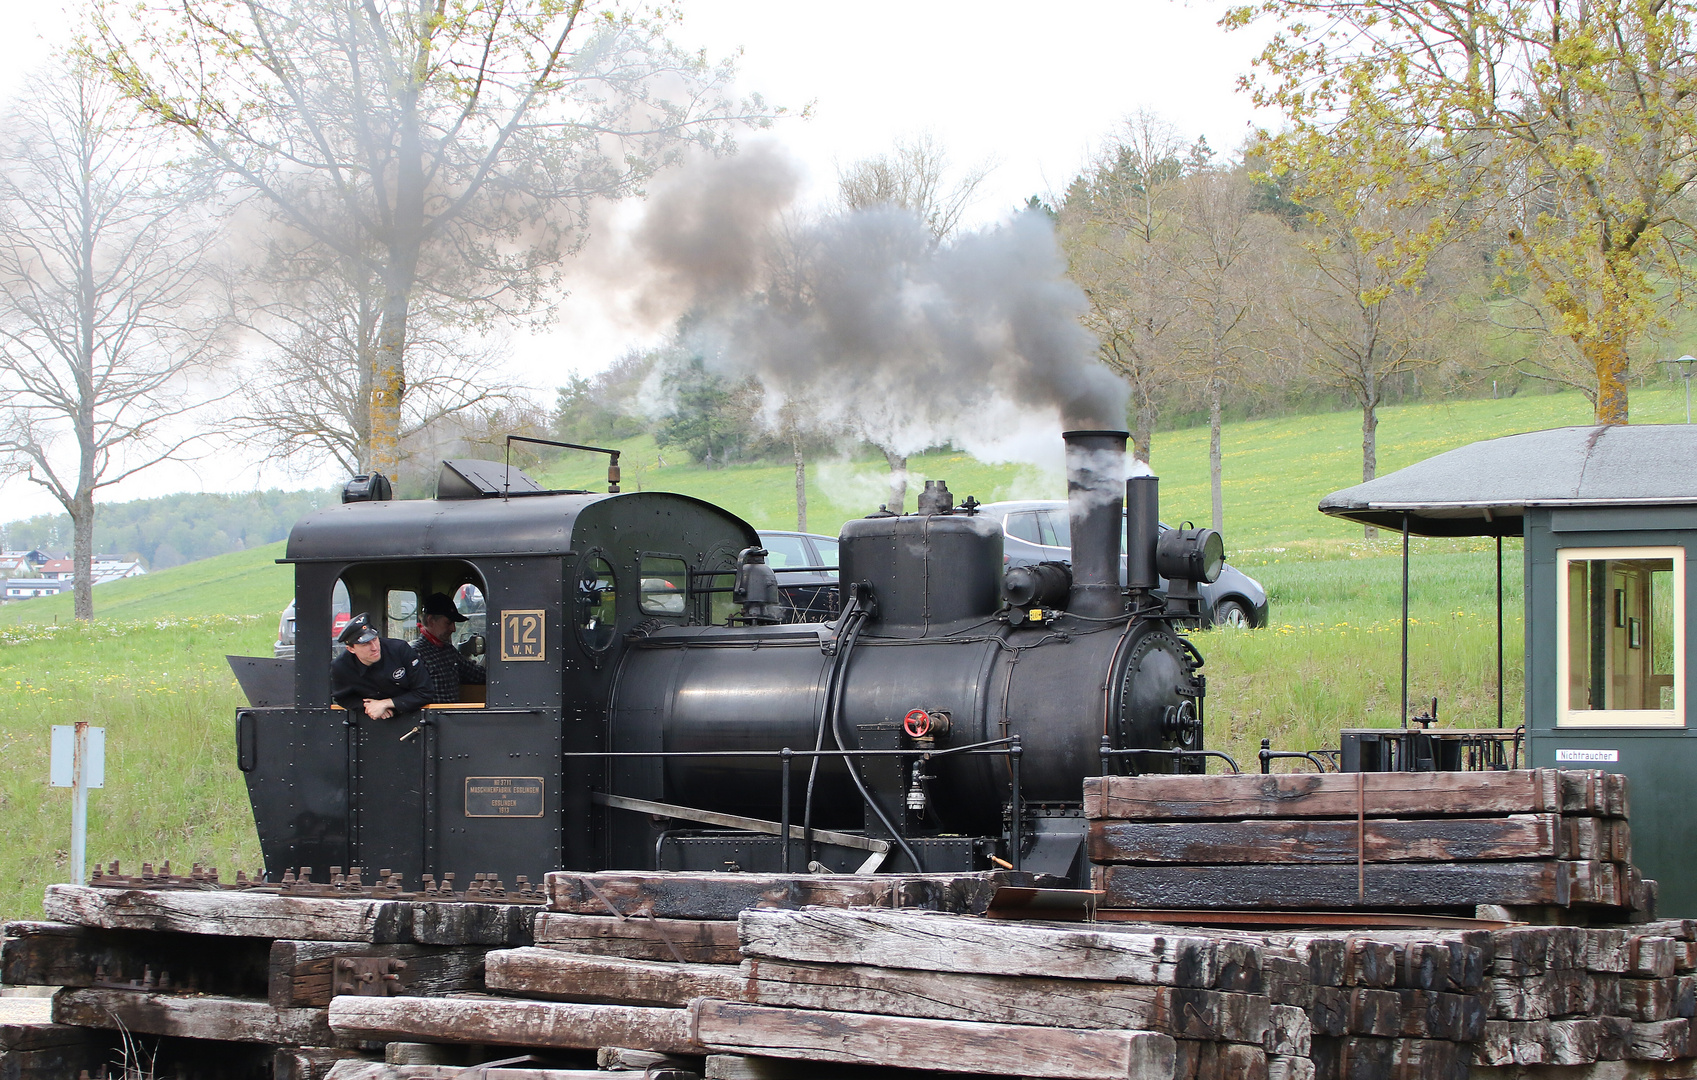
<point x="1268" y="754"/>
<point x="1107" y="752"/>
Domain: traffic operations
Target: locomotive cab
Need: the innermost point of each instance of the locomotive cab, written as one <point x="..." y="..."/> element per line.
<point x="554" y="582"/>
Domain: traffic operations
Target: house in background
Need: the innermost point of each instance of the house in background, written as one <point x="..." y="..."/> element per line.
<point x="105" y="567"/>
<point x="26" y="588"/>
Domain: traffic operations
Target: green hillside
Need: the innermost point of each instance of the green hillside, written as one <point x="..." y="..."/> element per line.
<point x="240" y="583"/>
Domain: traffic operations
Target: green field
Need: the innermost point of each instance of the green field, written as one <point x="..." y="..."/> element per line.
<point x="151" y="669"/>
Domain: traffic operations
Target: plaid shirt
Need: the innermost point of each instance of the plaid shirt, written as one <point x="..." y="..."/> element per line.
<point x="448" y="669"/>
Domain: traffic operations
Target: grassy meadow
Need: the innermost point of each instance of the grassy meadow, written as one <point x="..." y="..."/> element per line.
<point x="151" y="668"/>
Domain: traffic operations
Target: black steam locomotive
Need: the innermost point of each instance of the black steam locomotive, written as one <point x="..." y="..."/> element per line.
<point x="645" y="708"/>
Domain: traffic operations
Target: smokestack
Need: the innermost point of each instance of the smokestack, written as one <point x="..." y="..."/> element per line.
<point x="1095" y="496"/>
<point x="1142" y="532"/>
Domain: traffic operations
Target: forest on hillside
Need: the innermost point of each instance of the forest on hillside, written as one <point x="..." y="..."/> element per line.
<point x="174" y="529"/>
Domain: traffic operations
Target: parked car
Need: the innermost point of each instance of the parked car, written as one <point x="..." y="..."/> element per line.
<point x="806" y="564"/>
<point x="1039" y="531"/>
<point x="284" y="646"/>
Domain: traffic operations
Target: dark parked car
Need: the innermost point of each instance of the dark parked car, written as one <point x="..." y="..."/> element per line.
<point x="806" y="564"/>
<point x="1038" y="531"/>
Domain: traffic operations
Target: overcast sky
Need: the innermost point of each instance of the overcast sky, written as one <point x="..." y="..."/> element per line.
<point x="1033" y="90"/>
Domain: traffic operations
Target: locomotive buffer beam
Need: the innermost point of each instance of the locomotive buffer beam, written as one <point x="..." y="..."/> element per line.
<point x="879" y="848"/>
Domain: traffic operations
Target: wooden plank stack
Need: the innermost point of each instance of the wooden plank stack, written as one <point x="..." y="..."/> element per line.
<point x="1528" y="839"/>
<point x="819" y="992"/>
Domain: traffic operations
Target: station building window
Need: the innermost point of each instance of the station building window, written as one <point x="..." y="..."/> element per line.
<point x="1621" y="656"/>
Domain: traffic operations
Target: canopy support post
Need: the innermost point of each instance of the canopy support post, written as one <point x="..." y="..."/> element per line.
<point x="1405" y="625"/>
<point x="1499" y="631"/>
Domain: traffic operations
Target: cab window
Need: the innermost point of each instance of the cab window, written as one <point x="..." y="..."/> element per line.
<point x="1621" y="619"/>
<point x="597" y="603"/>
<point x="391" y="595"/>
<point x="664" y="585"/>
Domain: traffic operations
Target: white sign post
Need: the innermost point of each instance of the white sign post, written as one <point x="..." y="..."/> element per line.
<point x="79" y="763"/>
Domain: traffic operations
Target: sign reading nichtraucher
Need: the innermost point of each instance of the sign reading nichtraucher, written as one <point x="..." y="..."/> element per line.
<point x="503" y="796"/>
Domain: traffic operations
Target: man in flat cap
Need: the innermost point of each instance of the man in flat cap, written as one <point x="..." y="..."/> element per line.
<point x="381" y="676"/>
<point x="448" y="669"/>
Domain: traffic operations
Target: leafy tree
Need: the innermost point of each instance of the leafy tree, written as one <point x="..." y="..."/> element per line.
<point x="445" y="149"/>
<point x="1562" y="127"/>
<point x="711" y="417"/>
<point x="104" y="277"/>
<point x="605" y="407"/>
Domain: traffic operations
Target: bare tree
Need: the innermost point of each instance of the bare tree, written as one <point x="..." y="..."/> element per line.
<point x="447" y="149"/>
<point x="1118" y="227"/>
<point x="316" y="318"/>
<point x="104" y="275"/>
<point x="1220" y="245"/>
<point x="914" y="177"/>
<point x="1365" y="322"/>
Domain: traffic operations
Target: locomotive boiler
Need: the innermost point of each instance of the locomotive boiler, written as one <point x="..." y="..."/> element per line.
<point x="646" y="708"/>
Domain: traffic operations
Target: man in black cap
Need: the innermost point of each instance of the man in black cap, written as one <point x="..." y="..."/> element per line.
<point x="383" y="676"/>
<point x="447" y="668"/>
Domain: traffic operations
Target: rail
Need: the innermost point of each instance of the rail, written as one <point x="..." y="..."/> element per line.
<point x="1008" y="747"/>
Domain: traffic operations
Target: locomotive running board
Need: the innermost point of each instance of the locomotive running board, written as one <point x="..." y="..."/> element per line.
<point x="878" y="848"/>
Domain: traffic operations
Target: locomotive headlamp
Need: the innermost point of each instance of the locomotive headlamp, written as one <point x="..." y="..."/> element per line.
<point x="1191" y="554"/>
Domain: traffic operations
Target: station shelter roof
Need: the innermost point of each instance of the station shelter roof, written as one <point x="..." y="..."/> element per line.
<point x="1484" y="488"/>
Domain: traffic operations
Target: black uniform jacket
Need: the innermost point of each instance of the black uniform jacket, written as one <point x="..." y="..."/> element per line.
<point x="398" y="674"/>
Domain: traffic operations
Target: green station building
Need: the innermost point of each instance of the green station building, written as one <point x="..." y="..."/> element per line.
<point x="1608" y="516"/>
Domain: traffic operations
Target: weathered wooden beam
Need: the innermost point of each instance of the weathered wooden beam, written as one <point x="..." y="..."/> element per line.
<point x="228" y="914"/>
<point x="1004" y="999"/>
<point x="308" y="1062"/>
<point x="218" y="1019"/>
<point x="377" y="1070"/>
<point x="1364" y="1058"/>
<point x="1289" y="1033"/>
<point x="931" y="942"/>
<point x="1548" y="1042"/>
<point x="1320" y="840"/>
<point x="752" y="1067"/>
<point x="1281" y="1067"/>
<point x="1247" y="795"/>
<point x="51" y="1051"/>
<point x="545" y="972"/>
<point x="507" y="1022"/>
<point x="1199" y="1060"/>
<point x="684" y="941"/>
<point x="302" y="973"/>
<point x="706" y="895"/>
<point x="947" y="1045"/>
<point x="1556" y="994"/>
<point x="60" y="954"/>
<point x="1379" y="885"/>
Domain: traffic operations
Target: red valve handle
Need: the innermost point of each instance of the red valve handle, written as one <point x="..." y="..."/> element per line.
<point x="917" y="723"/>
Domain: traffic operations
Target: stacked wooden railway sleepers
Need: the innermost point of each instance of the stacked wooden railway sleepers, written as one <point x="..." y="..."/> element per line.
<point x="202" y="982"/>
<point x="1551" y="843"/>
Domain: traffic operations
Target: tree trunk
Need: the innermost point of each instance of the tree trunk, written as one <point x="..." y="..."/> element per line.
<point x="898" y="480"/>
<point x="1370" y="439"/>
<point x="1216" y="389"/>
<point x="388" y="384"/>
<point x="1143" y="433"/>
<point x="1608" y="359"/>
<point x="82" y="553"/>
<point x="800" y="482"/>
